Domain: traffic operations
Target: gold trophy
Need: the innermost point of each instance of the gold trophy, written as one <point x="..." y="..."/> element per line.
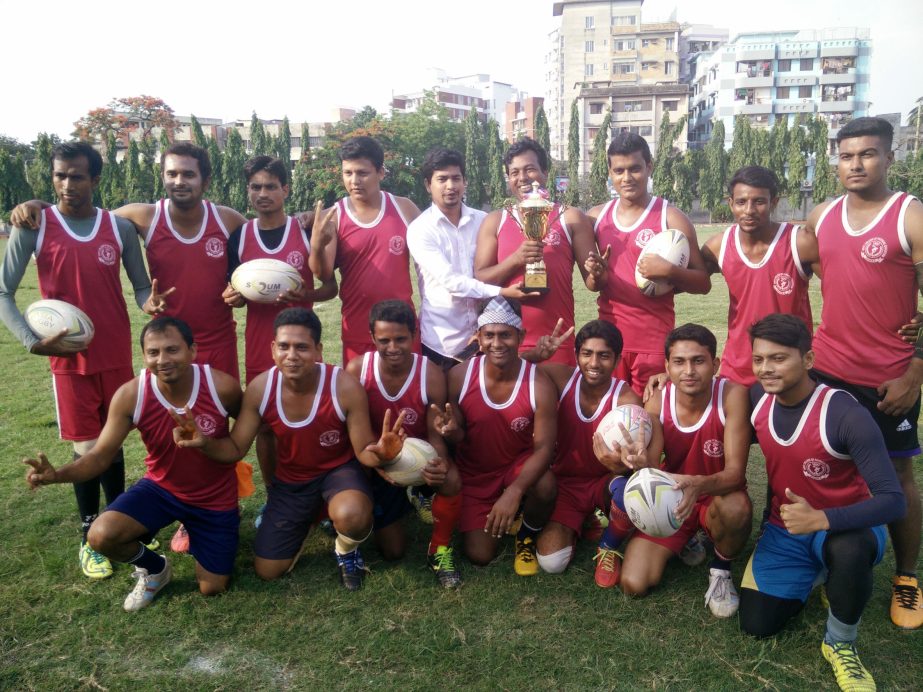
<point x="534" y="212"/>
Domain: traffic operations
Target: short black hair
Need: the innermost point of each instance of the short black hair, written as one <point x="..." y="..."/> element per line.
<point x="755" y="176"/>
<point x="68" y="151"/>
<point x="298" y="317"/>
<point x="785" y="330"/>
<point x="600" y="329"/>
<point x="521" y="146"/>
<point x="439" y="159"/>
<point x="867" y="127"/>
<point x="691" y="332"/>
<point x="159" y="325"/>
<point x="271" y="165"/>
<point x="396" y="311"/>
<point x="363" y="148"/>
<point x="625" y="143"/>
<point x="190" y="149"/>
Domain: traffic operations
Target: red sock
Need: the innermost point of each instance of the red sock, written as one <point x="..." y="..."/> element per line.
<point x="445" y="517"/>
<point x="618" y="520"/>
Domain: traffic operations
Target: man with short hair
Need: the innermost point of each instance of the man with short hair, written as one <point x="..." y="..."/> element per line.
<point x="869" y="245"/>
<point x="180" y="484"/>
<point x="832" y="490"/>
<point x="366" y="241"/>
<point x="623" y="227"/>
<point x="77" y="249"/>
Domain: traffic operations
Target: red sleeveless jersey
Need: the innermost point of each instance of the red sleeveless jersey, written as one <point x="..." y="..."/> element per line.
<point x="198" y="268"/>
<point x="644" y="321"/>
<point x="411" y="399"/>
<point x="806" y="463"/>
<point x="186" y="473"/>
<point x="85" y="273"/>
<point x="869" y="291"/>
<point x="497" y="436"/>
<point x="294" y="251"/>
<point x="540" y="315"/>
<point x="777" y="283"/>
<point x="374" y="264"/>
<point x="575" y="456"/>
<point x="697" y="449"/>
<point x="311" y="447"/>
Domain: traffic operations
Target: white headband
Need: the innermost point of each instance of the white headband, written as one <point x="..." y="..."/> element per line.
<point x="498" y="311"/>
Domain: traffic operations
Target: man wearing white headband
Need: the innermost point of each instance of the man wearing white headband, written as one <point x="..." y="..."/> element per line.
<point x="502" y="422"/>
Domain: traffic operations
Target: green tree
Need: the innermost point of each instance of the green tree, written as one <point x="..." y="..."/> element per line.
<point x="218" y="190"/>
<point x="715" y="171"/>
<point x="473" y="148"/>
<point x="259" y="142"/>
<point x="39" y="172"/>
<point x="667" y="155"/>
<point x="283" y="148"/>
<point x="572" y="196"/>
<point x="599" y="170"/>
<point x="198" y="135"/>
<point x="779" y="138"/>
<point x="761" y="148"/>
<point x="301" y="193"/>
<point x="742" y="153"/>
<point x="133" y="180"/>
<point x="496" y="182"/>
<point x="165" y="142"/>
<point x="685" y="172"/>
<point x="147" y="174"/>
<point x="111" y="189"/>
<point x="234" y="160"/>
<point x="797" y="166"/>
<point x="542" y="131"/>
<point x="14" y="188"/>
<point x="824" y="184"/>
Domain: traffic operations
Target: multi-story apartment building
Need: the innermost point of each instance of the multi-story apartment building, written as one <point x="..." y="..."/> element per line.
<point x="520" y="117"/>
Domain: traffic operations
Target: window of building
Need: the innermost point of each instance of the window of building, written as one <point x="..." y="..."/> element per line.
<point x="783" y="92"/>
<point x="671" y="106"/>
<point x="807" y="64"/>
<point x="624" y="20"/>
<point x="645" y="130"/>
<point x="596" y="108"/>
<point x="805" y="92"/>
<point x="588" y="70"/>
<point x="669" y="67"/>
<point x="588" y="22"/>
<point x="635" y="105"/>
<point x="624" y="45"/>
<point x="591" y="132"/>
<point x="785" y="66"/>
<point x="624" y="68"/>
<point x="647" y="42"/>
<point x="838" y="65"/>
<point x="669" y="44"/>
<point x="649" y="65"/>
<point x="588" y="46"/>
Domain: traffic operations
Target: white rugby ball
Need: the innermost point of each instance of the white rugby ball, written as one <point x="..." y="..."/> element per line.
<point x="407" y="469"/>
<point x="48" y="317"/>
<point x="635" y="419"/>
<point x="673" y="246"/>
<point x="262" y="280"/>
<point x="650" y="502"/>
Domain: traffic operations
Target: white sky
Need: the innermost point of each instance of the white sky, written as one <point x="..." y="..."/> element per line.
<point x="58" y="60"/>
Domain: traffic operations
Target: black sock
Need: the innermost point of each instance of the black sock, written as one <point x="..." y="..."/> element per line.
<point x="720" y="562"/>
<point x="903" y="573"/>
<point x="149" y="560"/>
<point x="85" y="523"/>
<point x="526" y="531"/>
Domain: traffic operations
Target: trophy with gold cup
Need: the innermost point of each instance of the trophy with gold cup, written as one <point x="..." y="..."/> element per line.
<point x="534" y="219"/>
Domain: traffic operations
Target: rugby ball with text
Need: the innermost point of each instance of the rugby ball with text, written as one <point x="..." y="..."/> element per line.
<point x="262" y="280"/>
<point x="673" y="246"/>
<point x="48" y="317"/>
<point x="635" y="419"/>
<point x="407" y="469"/>
<point x="650" y="502"/>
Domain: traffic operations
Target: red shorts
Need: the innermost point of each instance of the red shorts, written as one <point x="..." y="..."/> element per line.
<point x="637" y="368"/>
<point x="693" y="523"/>
<point x="578" y="496"/>
<point x="479" y="493"/>
<point x="221" y="357"/>
<point x="82" y="401"/>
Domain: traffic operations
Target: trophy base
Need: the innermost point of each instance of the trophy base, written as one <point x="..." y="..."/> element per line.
<point x="536" y="283"/>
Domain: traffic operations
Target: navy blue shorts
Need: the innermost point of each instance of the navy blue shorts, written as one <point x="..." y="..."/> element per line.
<point x="291" y="508"/>
<point x="213" y="535"/>
<point x="391" y="503"/>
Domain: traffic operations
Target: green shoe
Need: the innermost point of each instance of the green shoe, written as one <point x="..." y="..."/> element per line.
<point x="93" y="564"/>
<point x="442" y="562"/>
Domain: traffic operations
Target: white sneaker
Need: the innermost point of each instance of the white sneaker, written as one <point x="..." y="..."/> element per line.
<point x="147" y="586"/>
<point x="721" y="597"/>
<point x="693" y="553"/>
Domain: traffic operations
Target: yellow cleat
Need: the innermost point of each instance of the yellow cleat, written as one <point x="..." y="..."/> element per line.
<point x="851" y="675"/>
<point x="906" y="603"/>
<point x="93" y="564"/>
<point x="526" y="562"/>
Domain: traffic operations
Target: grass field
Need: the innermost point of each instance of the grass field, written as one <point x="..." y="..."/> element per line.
<point x="59" y="631"/>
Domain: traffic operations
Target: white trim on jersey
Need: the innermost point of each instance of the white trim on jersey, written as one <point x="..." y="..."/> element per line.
<point x="381" y="212"/>
<point x="756" y="409"/>
<point x="41" y="233"/>
<point x="531" y="385"/>
<point x="721" y="382"/>
<point x="663" y="217"/>
<point x="799" y="265"/>
<point x="115" y="231"/>
<point x="139" y="399"/>
<point x="397" y="208"/>
<point x="823" y="425"/>
<point x="67" y="229"/>
<point x="820" y="222"/>
<point x="214" y="392"/>
<point x="563" y="223"/>
<point x="198" y="236"/>
<point x="705" y="414"/>
<point x="267" y="390"/>
<point x="424" y="372"/>
<point x="318" y="394"/>
<point x="333" y="394"/>
<point x="499" y="407"/>
<point x="611" y="394"/>
<point x="874" y="222"/>
<point x="724" y="244"/>
<point x="766" y="256"/>
<point x="570" y="383"/>
<point x="193" y="396"/>
<point x="602" y="215"/>
<point x="640" y="220"/>
<point x="467" y="381"/>
<point x="376" y="359"/>
<point x="801" y="423"/>
<point x="259" y="240"/>
<point x="214" y="210"/>
<point x="158" y="212"/>
<point x="365" y="365"/>
<point x="57" y="407"/>
<point x="901" y="231"/>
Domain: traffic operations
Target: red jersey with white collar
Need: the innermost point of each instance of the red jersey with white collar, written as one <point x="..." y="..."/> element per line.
<point x="411" y="400"/>
<point x="806" y="463"/>
<point x="311" y="447"/>
<point x="497" y="435"/>
<point x="869" y="290"/>
<point x="643" y="320"/>
<point x="575" y="455"/>
<point x="697" y="449"/>
<point x="85" y="273"/>
<point x="186" y="473"/>
<point x="294" y="251"/>
<point x="541" y="314"/>
<point x="777" y="283"/>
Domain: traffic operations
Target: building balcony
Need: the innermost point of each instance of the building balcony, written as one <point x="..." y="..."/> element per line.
<point x="840" y="106"/>
<point x="756" y="51"/>
<point x="744" y="80"/>
<point x="756" y="108"/>
<point x="840" y="49"/>
<point x="797" y="51"/>
<point x="794" y="79"/>
<point x="841" y="78"/>
<point x="794" y="106"/>
<point x="624" y="117"/>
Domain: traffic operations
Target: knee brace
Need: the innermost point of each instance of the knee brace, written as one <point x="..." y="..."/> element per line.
<point x="556" y="562"/>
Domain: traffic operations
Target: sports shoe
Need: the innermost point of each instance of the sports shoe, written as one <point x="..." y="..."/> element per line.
<point x="608" y="567"/>
<point x="693" y="553"/>
<point x="851" y="675"/>
<point x="94" y="565"/>
<point x="721" y="597"/>
<point x="906" y="602"/>
<point x="180" y="541"/>
<point x="526" y="563"/>
<point x="352" y="569"/>
<point x="259" y="516"/>
<point x="442" y="562"/>
<point x="154" y="545"/>
<point x="422" y="503"/>
<point x="147" y="586"/>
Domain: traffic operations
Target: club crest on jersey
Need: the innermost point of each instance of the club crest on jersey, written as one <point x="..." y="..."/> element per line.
<point x="206" y="423"/>
<point x="214" y="248"/>
<point x="519" y="424"/>
<point x="644" y="237"/>
<point x="713" y="448"/>
<point x="396" y="245"/>
<point x="783" y="284"/>
<point x="553" y="238"/>
<point x="815" y="469"/>
<point x="106" y="254"/>
<point x="874" y="250"/>
<point x="410" y="416"/>
<point x="295" y="259"/>
<point x="329" y="438"/>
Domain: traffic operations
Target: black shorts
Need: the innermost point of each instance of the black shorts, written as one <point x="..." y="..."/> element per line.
<point x="900" y="432"/>
<point x="391" y="503"/>
<point x="291" y="508"/>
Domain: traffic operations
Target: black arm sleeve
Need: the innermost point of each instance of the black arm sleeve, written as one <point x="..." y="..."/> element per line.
<point x="233" y="251"/>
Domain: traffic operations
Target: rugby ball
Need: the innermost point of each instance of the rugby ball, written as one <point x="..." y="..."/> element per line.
<point x="407" y="469"/>
<point x="635" y="419"/>
<point x="650" y="502"/>
<point x="48" y="317"/>
<point x="262" y="280"/>
<point x="673" y="246"/>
